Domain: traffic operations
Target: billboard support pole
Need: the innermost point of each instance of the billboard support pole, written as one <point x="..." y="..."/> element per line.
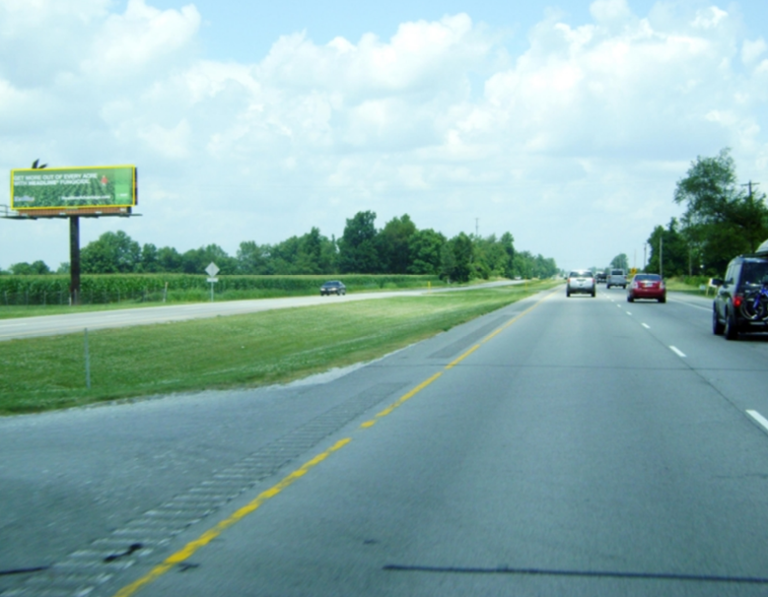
<point x="74" y="260"/>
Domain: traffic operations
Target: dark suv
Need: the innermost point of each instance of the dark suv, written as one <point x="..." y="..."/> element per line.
<point x="732" y="310"/>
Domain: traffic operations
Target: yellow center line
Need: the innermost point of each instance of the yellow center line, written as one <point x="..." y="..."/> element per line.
<point x="516" y="317"/>
<point x="193" y="546"/>
<point x="452" y="364"/>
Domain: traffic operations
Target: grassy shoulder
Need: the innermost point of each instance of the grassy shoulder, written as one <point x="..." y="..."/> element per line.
<point x="239" y="351"/>
<point x="689" y="284"/>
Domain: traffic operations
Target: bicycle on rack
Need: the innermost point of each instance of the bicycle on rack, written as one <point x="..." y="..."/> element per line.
<point x="755" y="304"/>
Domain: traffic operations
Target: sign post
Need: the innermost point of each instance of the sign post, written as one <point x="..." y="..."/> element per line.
<point x="212" y="270"/>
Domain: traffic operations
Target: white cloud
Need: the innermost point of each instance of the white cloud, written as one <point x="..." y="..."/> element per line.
<point x="709" y="18"/>
<point x="172" y="143"/>
<point x="752" y="50"/>
<point x="607" y="11"/>
<point x="593" y="121"/>
<point x="139" y="37"/>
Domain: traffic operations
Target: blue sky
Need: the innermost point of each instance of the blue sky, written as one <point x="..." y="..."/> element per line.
<point x="565" y="123"/>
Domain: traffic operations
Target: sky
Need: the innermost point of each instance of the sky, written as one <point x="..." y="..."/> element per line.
<point x="567" y="123"/>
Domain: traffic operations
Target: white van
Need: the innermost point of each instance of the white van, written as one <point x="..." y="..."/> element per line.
<point x="617" y="277"/>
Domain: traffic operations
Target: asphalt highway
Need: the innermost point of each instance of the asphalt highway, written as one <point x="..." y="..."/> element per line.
<point x="559" y="446"/>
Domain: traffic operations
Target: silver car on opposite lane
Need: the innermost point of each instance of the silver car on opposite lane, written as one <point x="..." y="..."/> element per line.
<point x="580" y="281"/>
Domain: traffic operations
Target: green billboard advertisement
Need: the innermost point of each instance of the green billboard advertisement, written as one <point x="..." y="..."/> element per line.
<point x="73" y="188"/>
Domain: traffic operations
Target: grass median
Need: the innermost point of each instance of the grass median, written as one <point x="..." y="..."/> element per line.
<point x="238" y="351"/>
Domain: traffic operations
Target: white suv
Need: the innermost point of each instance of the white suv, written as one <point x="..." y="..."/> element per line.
<point x="580" y="281"/>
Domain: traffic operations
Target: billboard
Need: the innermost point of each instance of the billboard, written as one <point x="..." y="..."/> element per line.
<point x="74" y="189"/>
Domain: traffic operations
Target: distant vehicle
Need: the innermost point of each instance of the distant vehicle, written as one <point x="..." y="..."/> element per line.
<point x="617" y="277"/>
<point x="601" y="277"/>
<point x="740" y="302"/>
<point x="580" y="281"/>
<point x="647" y="286"/>
<point x="333" y="287"/>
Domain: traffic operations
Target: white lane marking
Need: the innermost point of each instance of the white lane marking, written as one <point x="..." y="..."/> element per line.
<point x="628" y="313"/>
<point x="677" y="351"/>
<point x="619" y="306"/>
<point x="646" y="326"/>
<point x="758" y="417"/>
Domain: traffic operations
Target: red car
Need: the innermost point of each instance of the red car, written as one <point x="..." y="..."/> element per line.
<point x="647" y="286"/>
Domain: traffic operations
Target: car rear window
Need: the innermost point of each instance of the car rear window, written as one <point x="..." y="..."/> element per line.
<point x="582" y="274"/>
<point x="651" y="277"/>
<point x="753" y="272"/>
<point x="617" y="272"/>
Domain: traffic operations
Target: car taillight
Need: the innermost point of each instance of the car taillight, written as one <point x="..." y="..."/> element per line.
<point x="737" y="300"/>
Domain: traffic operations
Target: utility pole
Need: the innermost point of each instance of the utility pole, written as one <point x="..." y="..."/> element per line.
<point x="74" y="260"/>
<point x="477" y="227"/>
<point x="661" y="256"/>
<point x="749" y="185"/>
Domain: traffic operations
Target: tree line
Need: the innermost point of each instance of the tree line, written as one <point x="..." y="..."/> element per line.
<point x="397" y="248"/>
<point x="722" y="219"/>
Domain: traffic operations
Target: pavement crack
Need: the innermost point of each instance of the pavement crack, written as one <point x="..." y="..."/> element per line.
<point x="132" y="548"/>
<point x="578" y="573"/>
<point x="23" y="570"/>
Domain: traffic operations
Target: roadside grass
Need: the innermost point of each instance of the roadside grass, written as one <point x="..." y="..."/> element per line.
<point x="690" y="285"/>
<point x="26" y="296"/>
<point x="202" y="296"/>
<point x="270" y="347"/>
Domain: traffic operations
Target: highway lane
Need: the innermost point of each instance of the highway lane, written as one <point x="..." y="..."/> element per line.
<point x="69" y="323"/>
<point x="573" y="452"/>
<point x="684" y="325"/>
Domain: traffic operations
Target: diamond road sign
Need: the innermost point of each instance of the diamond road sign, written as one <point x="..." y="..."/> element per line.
<point x="212" y="270"/>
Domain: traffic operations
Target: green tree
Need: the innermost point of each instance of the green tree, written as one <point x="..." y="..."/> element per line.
<point x="721" y="219"/>
<point x="523" y="264"/>
<point x="461" y="245"/>
<point x="620" y="262"/>
<point x="149" y="259"/>
<point x="252" y="258"/>
<point x="27" y="269"/>
<point x="447" y="262"/>
<point x="169" y="260"/>
<point x="195" y="261"/>
<point x="425" y="248"/>
<point x="357" y="248"/>
<point x="393" y="245"/>
<point x="493" y="257"/>
<point x="507" y="243"/>
<point x="112" y="253"/>
<point x="544" y="267"/>
<point x="669" y="245"/>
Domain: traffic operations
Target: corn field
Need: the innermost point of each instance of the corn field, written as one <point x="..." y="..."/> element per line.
<point x="138" y="288"/>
